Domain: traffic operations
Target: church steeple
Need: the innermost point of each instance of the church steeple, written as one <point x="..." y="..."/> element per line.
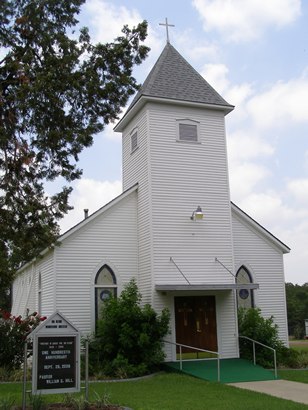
<point x="173" y="79"/>
<point x="174" y="147"/>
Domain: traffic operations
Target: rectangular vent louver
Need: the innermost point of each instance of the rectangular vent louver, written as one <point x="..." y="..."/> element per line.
<point x="188" y="132"/>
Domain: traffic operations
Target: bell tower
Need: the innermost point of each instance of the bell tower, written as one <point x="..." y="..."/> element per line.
<point x="174" y="147"/>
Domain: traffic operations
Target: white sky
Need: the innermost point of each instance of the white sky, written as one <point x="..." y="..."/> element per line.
<point x="255" y="54"/>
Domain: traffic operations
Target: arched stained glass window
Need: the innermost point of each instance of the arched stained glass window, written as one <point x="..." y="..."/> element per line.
<point x="244" y="296"/>
<point x="105" y="286"/>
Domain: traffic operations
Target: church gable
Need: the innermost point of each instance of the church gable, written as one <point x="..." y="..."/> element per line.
<point x="262" y="255"/>
<point x="257" y="229"/>
<point x="87" y="220"/>
<point x="64" y="278"/>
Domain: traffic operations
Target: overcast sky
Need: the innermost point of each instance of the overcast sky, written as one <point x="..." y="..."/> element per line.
<point x="255" y="54"/>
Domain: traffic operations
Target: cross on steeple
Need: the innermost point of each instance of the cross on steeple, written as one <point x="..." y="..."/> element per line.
<point x="167" y="25"/>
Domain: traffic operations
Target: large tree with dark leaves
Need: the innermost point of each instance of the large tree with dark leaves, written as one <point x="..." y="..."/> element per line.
<point x="57" y="90"/>
<point x="297" y="307"/>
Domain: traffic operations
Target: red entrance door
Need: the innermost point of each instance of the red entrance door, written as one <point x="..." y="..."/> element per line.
<point x="195" y="322"/>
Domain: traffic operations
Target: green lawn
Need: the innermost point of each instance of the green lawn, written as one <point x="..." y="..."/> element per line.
<point x="300" y="345"/>
<point x="296" y="375"/>
<point x="172" y="391"/>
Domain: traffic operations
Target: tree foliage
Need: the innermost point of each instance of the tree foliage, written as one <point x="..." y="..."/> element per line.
<point x="13" y="333"/>
<point x="57" y="90"/>
<point x="297" y="307"/>
<point x="253" y="325"/>
<point x="129" y="336"/>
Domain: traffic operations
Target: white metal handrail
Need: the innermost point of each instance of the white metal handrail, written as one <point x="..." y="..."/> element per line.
<point x="254" y="342"/>
<point x="199" y="350"/>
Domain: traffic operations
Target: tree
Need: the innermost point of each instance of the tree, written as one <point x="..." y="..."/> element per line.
<point x="13" y="332"/>
<point x="129" y="337"/>
<point x="297" y="307"/>
<point x="57" y="90"/>
<point x="252" y="324"/>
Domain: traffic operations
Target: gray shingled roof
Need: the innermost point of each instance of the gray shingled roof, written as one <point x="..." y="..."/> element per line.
<point x="172" y="77"/>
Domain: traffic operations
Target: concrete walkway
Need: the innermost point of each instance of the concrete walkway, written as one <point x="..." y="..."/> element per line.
<point x="284" y="389"/>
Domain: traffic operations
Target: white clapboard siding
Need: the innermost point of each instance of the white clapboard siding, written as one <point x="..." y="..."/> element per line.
<point x="265" y="263"/>
<point x="25" y="287"/>
<point x="136" y="170"/>
<point x="46" y="267"/>
<point x="110" y="238"/>
<point x="161" y="301"/>
<point x="19" y="293"/>
<point x="184" y="176"/>
<point x="24" y="293"/>
<point x="227" y="324"/>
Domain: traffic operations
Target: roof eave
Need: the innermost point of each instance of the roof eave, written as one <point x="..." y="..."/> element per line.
<point x="175" y="287"/>
<point x="145" y="98"/>
<point x="104" y="208"/>
<point x="79" y="225"/>
<point x="259" y="228"/>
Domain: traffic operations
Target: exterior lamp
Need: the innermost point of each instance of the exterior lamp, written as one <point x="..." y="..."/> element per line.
<point x="197" y="215"/>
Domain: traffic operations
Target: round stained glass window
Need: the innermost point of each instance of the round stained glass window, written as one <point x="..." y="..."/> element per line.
<point x="244" y="293"/>
<point x="105" y="294"/>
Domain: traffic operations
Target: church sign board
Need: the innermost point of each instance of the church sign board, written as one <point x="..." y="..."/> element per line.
<point x="56" y="356"/>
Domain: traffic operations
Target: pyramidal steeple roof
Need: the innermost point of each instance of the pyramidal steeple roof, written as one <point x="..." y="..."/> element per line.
<point x="173" y="78"/>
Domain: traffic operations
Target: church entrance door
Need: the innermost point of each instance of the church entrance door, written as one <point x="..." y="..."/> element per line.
<point x="195" y="322"/>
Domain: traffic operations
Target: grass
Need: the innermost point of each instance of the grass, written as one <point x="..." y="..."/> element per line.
<point x="171" y="391"/>
<point x="298" y="375"/>
<point x="300" y="346"/>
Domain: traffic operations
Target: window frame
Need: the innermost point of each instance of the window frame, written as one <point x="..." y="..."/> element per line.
<point x="188" y="121"/>
<point x="134" y="135"/>
<point x="251" y="293"/>
<point x="96" y="286"/>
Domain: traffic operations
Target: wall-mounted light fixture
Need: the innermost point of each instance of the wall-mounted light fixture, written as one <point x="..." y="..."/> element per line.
<point x="197" y="215"/>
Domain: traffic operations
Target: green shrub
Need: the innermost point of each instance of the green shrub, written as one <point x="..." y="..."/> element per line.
<point x="129" y="336"/>
<point x="299" y="331"/>
<point x="253" y="325"/>
<point x="13" y="333"/>
<point x="293" y="359"/>
<point x="289" y="358"/>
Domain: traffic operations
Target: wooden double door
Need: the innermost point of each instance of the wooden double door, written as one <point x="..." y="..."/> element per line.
<point x="195" y="322"/>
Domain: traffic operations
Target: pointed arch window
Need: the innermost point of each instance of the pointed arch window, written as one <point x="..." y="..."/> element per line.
<point x="105" y="286"/>
<point x="245" y="297"/>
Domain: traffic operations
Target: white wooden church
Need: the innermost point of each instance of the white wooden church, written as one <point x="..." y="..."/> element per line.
<point x="173" y="228"/>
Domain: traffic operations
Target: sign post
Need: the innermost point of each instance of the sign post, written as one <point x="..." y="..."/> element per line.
<point x="56" y="356"/>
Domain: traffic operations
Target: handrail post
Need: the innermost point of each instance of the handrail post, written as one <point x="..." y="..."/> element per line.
<point x="181" y="358"/>
<point x="87" y="369"/>
<point x="199" y="350"/>
<point x="267" y="347"/>
<point x="24" y="387"/>
<point x="275" y="364"/>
